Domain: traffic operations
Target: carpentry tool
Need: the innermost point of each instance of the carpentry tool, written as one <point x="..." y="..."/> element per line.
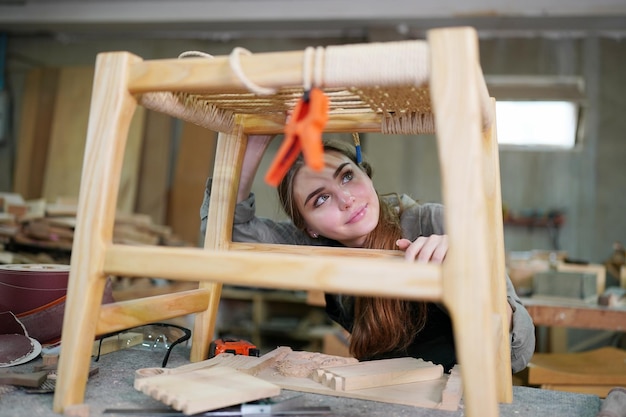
<point x="234" y="346"/>
<point x="303" y="133"/>
<point x="289" y="407"/>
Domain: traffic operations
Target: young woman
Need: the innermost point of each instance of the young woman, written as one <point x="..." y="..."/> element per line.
<point x="340" y="207"/>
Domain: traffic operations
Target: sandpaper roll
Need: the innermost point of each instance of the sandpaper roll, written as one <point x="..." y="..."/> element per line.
<point x="26" y="287"/>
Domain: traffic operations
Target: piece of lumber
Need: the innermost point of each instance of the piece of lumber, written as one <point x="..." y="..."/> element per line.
<point x="27" y="379"/>
<point x="206" y="389"/>
<point x="453" y="391"/>
<point x="379" y="373"/>
<point x="40" y="89"/>
<point x="67" y="133"/>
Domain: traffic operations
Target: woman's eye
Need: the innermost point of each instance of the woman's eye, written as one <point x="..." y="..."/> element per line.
<point x="320" y="200"/>
<point x="347" y="176"/>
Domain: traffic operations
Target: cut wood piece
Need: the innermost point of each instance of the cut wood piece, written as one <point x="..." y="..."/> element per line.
<point x="206" y="389"/>
<point x="256" y="365"/>
<point x="380" y="373"/>
<point x="453" y="391"/>
<point x="30" y="379"/>
<point x="426" y="394"/>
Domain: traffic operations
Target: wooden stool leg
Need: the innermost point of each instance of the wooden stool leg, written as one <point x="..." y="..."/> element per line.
<point x="466" y="270"/>
<point x="226" y="172"/>
<point x="111" y="112"/>
<point x="493" y="195"/>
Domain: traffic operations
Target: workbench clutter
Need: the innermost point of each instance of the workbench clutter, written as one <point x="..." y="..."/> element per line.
<point x="34" y="296"/>
<point x="228" y="379"/>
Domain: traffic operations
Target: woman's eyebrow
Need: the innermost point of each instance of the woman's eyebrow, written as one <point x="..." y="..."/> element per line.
<point x="310" y="196"/>
<point x="339" y="168"/>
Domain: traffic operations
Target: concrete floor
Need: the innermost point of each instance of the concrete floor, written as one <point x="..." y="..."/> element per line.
<point x="112" y="388"/>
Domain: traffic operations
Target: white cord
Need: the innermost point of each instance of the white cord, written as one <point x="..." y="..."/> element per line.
<point x="235" y="65"/>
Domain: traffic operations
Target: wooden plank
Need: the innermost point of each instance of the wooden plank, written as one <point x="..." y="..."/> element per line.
<point x="154" y="169"/>
<point x="68" y="132"/>
<point x="576" y="314"/>
<point x="196" y="152"/>
<point x="379" y="373"/>
<point x="34" y="131"/>
<point x="67" y="141"/>
<point x="427" y="394"/>
<point x="206" y="389"/>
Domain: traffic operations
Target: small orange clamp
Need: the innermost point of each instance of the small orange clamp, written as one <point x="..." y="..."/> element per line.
<point x="303" y="132"/>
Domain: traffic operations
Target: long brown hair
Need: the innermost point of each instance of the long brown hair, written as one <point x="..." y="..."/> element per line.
<point x="380" y="324"/>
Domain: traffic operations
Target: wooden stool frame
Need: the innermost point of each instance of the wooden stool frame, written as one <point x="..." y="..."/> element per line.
<point x="470" y="282"/>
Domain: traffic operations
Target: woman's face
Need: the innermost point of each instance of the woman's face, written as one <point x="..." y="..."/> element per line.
<point x="338" y="202"/>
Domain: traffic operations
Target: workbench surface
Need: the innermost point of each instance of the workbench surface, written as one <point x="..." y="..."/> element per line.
<point x="112" y="388"/>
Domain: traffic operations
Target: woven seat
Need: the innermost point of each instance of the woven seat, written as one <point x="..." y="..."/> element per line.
<point x="409" y="87"/>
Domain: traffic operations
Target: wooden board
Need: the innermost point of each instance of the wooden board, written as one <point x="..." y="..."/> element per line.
<point x="206" y="389"/>
<point x="377" y="373"/>
<point x="68" y="134"/>
<point x="426" y="394"/>
<point x="36" y="116"/>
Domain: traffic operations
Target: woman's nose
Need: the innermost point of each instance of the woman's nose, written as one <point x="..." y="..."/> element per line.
<point x="345" y="199"/>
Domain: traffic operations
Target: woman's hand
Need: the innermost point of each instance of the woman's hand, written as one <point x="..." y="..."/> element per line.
<point x="425" y="249"/>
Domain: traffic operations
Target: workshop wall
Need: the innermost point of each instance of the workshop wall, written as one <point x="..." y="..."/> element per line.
<point x="587" y="183"/>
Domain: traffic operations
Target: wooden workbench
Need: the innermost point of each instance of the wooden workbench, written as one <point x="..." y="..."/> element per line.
<point x="575" y="313"/>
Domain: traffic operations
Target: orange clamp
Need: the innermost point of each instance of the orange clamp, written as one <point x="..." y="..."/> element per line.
<point x="303" y="132"/>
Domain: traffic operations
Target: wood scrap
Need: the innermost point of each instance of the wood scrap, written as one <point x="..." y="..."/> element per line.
<point x="206" y="389"/>
<point x="378" y="373"/>
<point x="453" y="391"/>
<point x="23" y="379"/>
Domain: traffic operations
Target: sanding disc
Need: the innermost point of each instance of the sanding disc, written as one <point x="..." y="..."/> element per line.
<point x="16" y="349"/>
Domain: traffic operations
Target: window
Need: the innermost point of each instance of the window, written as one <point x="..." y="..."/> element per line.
<point x="537" y="112"/>
<point x="537" y="123"/>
